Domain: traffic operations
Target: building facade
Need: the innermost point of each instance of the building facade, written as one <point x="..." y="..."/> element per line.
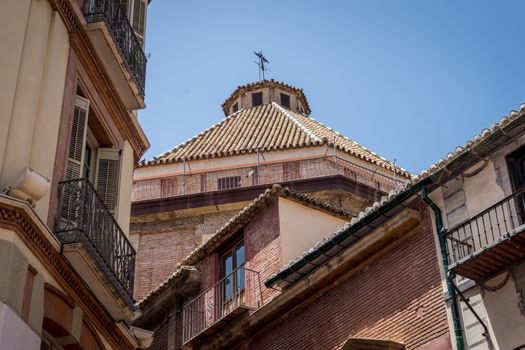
<point x="73" y="75"/>
<point x="478" y="196"/>
<point x="182" y="197"/>
<point x="279" y="275"/>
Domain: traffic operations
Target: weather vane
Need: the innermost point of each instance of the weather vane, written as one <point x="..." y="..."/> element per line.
<point x="261" y="63"/>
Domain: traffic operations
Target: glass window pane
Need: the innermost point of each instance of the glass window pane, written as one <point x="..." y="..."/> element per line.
<point x="228" y="282"/>
<point x="239" y="255"/>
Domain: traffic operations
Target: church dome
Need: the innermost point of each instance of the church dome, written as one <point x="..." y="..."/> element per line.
<point x="266" y="92"/>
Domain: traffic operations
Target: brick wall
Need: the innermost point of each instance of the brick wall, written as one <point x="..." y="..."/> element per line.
<point x="64" y="135"/>
<point x="397" y="297"/>
<point x="262" y="244"/>
<point x="162" y="246"/>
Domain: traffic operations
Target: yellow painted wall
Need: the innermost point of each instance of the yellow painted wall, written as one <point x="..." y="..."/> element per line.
<point x="34" y="66"/>
<point x="302" y="227"/>
<point x="126" y="183"/>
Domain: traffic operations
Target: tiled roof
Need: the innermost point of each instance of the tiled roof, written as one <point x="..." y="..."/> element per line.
<point x="241" y="219"/>
<point x="265" y="128"/>
<point x="505" y="128"/>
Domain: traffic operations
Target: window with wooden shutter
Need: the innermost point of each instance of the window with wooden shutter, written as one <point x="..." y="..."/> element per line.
<point x="78" y="139"/>
<point x="139" y="19"/>
<point x="75" y="158"/>
<point x="107" y="179"/>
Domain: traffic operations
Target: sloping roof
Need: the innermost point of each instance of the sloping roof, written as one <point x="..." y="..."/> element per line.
<point x="266" y="128"/>
<point x="477" y="148"/>
<point x="238" y="221"/>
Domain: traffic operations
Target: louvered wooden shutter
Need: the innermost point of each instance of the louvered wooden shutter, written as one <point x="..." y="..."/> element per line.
<point x="77" y="142"/>
<point x="139" y="19"/>
<point x="107" y="180"/>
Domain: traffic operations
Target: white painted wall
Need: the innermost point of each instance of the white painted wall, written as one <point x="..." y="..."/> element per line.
<point x="302" y="227"/>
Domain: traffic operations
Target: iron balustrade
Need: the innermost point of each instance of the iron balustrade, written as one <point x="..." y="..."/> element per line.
<point x="264" y="174"/>
<point x="114" y="14"/>
<point x="487" y="227"/>
<point x="238" y="291"/>
<point x="84" y="218"/>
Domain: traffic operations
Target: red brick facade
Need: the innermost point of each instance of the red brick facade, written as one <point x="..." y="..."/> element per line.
<point x="263" y="248"/>
<point x="398" y="297"/>
<point x="160" y="247"/>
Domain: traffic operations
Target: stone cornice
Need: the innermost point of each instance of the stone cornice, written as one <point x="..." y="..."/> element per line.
<point x="18" y="217"/>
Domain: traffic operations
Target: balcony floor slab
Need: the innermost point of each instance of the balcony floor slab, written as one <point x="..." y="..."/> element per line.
<point x="80" y="257"/>
<point x="495" y="258"/>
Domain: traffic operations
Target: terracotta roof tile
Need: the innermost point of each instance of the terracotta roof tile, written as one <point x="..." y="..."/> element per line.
<point x="268" y="127"/>
<point x="241" y="219"/>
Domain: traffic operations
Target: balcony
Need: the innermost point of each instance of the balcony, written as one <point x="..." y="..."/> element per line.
<point x="490" y="242"/>
<point x="228" y="299"/>
<point x="120" y="51"/>
<point x="266" y="174"/>
<point x="96" y="247"/>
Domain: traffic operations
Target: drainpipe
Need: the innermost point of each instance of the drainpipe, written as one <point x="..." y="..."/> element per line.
<point x="442" y="244"/>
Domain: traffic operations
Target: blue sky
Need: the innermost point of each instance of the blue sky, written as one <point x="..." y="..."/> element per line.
<point x="409" y="80"/>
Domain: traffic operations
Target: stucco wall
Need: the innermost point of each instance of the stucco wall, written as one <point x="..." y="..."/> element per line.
<point x="33" y="67"/>
<point x="126" y="183"/>
<point x="301" y="227"/>
<point x="498" y="301"/>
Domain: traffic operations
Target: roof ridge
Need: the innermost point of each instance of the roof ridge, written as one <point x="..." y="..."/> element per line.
<point x="357" y="144"/>
<point x="184" y="143"/>
<point x="251" y="209"/>
<point x="294" y="120"/>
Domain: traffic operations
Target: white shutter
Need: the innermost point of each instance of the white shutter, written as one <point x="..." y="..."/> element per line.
<point x="107" y="178"/>
<point x="77" y="142"/>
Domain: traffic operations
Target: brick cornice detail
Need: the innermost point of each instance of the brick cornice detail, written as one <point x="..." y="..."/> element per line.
<point x="18" y="220"/>
<point x="74" y="22"/>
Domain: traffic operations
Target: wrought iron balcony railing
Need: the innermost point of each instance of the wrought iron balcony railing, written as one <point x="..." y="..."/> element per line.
<point x="83" y="218"/>
<point x="226" y="299"/>
<point x="487" y="228"/>
<point x="114" y="14"/>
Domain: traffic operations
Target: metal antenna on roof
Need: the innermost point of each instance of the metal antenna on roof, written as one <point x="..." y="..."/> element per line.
<point x="261" y="63"/>
<point x="394" y="166"/>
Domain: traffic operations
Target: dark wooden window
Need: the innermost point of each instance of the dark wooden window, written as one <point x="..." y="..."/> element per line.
<point x="516" y="164"/>
<point x="257" y="99"/>
<point x="232" y="262"/>
<point x="235" y="107"/>
<point x="225" y="183"/>
<point x="285" y="100"/>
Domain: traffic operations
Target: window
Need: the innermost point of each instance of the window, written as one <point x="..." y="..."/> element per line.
<point x="232" y="273"/>
<point x="136" y="11"/>
<point x="235" y="107"/>
<point x="48" y="342"/>
<point x="257" y="99"/>
<point x="516" y="164"/>
<point x="225" y="183"/>
<point x="285" y="100"/>
<point x="101" y="166"/>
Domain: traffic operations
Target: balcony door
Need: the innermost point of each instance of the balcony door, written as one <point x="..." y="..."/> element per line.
<point x="516" y="164"/>
<point x="232" y="277"/>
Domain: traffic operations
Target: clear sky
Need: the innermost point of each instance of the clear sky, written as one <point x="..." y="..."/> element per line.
<point x="409" y="80"/>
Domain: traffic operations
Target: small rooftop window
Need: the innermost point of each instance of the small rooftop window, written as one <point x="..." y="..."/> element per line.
<point x="257" y="99"/>
<point x="235" y="107"/>
<point x="285" y="100"/>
